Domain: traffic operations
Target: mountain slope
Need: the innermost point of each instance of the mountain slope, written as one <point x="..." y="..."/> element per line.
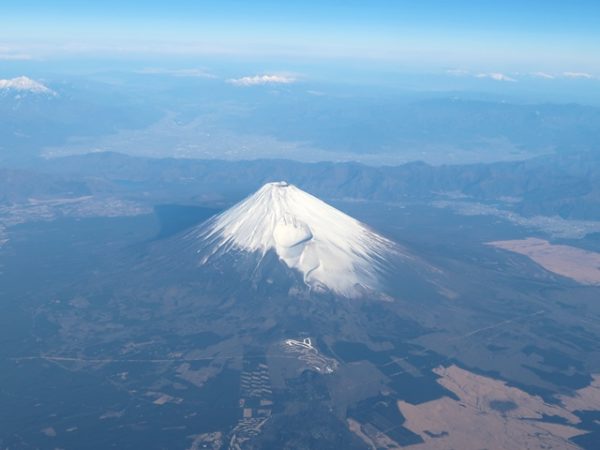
<point x="330" y="249"/>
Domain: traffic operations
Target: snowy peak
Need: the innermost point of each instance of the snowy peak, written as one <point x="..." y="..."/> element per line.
<point x="25" y="84"/>
<point x="332" y="250"/>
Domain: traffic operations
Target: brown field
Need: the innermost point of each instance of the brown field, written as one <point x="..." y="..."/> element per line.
<point x="577" y="264"/>
<point x="586" y="399"/>
<point x="489" y="414"/>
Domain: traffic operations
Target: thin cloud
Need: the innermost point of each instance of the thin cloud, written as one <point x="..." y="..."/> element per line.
<point x="25" y="84"/>
<point x="14" y="57"/>
<point x="497" y="76"/>
<point x="187" y="73"/>
<point x="457" y="72"/>
<point x="258" y="80"/>
<point x="583" y="75"/>
<point x="545" y="75"/>
<point x="8" y="53"/>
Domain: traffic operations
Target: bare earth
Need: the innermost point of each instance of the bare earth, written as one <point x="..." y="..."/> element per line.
<point x="580" y="265"/>
<point x="374" y="438"/>
<point x="489" y="414"/>
<point x="586" y="399"/>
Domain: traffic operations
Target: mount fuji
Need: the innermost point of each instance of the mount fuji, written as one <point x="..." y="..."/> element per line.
<point x="331" y="251"/>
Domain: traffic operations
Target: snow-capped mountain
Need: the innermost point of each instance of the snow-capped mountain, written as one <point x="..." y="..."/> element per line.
<point x="331" y="250"/>
<point x="25" y="84"/>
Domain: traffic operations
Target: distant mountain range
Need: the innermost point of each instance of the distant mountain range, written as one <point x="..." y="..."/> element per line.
<point x="17" y="185"/>
<point x="564" y="185"/>
<point x="143" y="115"/>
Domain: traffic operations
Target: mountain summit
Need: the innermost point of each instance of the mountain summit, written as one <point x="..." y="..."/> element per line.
<point x="24" y="84"/>
<point x="331" y="250"/>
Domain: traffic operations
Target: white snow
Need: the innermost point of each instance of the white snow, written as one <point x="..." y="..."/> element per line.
<point x="25" y="84"/>
<point x="331" y="249"/>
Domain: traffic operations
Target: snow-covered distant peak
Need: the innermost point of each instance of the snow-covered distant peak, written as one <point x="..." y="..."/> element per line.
<point x="331" y="249"/>
<point x="25" y="84"/>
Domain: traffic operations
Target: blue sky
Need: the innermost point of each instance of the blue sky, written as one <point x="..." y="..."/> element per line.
<point x="501" y="36"/>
